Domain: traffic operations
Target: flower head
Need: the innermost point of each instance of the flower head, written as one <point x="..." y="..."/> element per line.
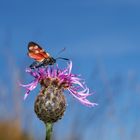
<point x="62" y="79"/>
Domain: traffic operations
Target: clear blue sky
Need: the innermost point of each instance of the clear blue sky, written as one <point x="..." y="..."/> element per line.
<point x="94" y="32"/>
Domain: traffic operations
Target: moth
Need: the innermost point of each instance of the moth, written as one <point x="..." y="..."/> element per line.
<point x="41" y="57"/>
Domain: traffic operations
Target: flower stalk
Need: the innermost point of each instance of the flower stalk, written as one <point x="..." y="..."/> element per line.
<point x="49" y="130"/>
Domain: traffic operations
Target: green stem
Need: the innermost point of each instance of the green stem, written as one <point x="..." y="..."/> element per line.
<point x="49" y="129"/>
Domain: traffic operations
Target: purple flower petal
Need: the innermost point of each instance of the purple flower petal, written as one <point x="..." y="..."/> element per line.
<point x="69" y="67"/>
<point x="83" y="101"/>
<point x="30" y="87"/>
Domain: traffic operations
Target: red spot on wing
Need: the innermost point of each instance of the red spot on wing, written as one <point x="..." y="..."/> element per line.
<point x="44" y="54"/>
<point x="37" y="57"/>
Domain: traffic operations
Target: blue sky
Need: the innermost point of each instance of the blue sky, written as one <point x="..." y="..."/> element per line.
<point x="95" y="33"/>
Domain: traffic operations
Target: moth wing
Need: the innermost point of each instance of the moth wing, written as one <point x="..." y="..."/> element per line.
<point x="36" y="52"/>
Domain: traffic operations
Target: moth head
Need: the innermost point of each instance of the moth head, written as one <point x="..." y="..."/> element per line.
<point x="52" y="61"/>
<point x="49" y="61"/>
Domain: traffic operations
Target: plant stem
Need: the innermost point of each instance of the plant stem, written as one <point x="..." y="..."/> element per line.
<point x="49" y="129"/>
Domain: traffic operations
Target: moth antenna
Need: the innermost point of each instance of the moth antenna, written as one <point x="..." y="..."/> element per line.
<point x="61" y="51"/>
<point x="62" y="58"/>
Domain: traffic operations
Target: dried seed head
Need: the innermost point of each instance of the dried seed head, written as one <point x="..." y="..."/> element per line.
<point x="50" y="104"/>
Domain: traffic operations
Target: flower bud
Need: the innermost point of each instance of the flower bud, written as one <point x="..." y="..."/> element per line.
<point x="50" y="103"/>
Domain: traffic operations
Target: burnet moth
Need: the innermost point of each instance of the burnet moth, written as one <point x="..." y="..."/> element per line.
<point x="41" y="57"/>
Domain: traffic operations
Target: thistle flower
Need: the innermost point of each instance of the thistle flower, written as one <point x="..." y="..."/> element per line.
<point x="50" y="103"/>
<point x="63" y="79"/>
